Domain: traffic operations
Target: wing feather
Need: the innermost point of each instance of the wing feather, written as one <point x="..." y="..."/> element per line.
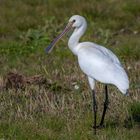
<point x="104" y="51"/>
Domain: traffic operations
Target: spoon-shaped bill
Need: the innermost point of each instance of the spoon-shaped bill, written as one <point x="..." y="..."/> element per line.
<point x="52" y="44"/>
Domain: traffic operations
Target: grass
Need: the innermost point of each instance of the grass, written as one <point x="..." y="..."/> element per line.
<point x="63" y="111"/>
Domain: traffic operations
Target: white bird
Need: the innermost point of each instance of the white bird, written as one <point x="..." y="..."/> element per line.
<point x="96" y="61"/>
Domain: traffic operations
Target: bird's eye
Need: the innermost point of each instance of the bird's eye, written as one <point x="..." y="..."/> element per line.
<point x="73" y="20"/>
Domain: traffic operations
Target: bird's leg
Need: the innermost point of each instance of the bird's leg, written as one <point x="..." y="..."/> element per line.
<point x="95" y="110"/>
<point x="105" y="107"/>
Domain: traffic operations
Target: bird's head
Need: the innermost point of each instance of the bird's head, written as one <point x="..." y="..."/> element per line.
<point x="75" y="21"/>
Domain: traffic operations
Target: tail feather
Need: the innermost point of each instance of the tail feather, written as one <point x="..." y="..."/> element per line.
<point x="124" y="91"/>
<point x="127" y="93"/>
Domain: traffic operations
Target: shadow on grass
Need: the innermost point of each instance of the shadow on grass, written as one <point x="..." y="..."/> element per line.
<point x="132" y="120"/>
<point x="134" y="116"/>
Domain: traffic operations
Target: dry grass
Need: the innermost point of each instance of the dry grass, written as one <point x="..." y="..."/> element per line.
<point x="62" y="109"/>
<point x="71" y="103"/>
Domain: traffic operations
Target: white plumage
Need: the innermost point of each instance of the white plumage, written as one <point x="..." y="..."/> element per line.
<point x="96" y="61"/>
<point x="102" y="66"/>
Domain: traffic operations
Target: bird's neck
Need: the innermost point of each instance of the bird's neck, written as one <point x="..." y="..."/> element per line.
<point x="75" y="37"/>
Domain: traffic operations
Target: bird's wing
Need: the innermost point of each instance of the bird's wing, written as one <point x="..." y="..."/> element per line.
<point x="104" y="51"/>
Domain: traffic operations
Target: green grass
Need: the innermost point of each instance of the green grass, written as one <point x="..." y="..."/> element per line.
<point x="61" y="112"/>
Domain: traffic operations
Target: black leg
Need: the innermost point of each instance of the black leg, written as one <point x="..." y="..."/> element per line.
<point x="95" y="111"/>
<point x="105" y="106"/>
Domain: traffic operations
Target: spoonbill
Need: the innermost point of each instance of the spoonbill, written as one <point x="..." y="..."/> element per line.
<point x="96" y="61"/>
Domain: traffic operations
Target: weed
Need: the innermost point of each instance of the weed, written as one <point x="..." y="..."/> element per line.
<point x="63" y="110"/>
